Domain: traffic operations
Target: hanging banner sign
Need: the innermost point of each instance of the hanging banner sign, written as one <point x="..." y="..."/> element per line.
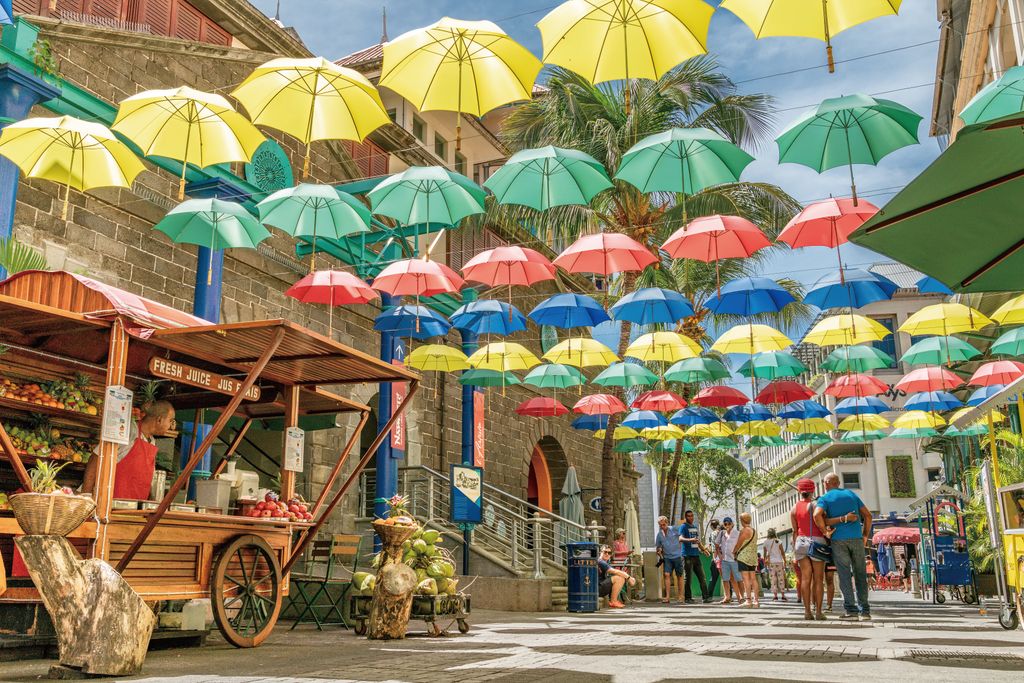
<point x="467" y="494"/>
<point x="117" y="415"/>
<point x="399" y="390"/>
<point x="479" y="435"/>
<point x="294" y="449"/>
<point x="204" y="379"/>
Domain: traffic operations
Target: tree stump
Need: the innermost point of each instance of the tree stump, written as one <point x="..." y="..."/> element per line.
<point x="392" y="594"/>
<point x="103" y="626"/>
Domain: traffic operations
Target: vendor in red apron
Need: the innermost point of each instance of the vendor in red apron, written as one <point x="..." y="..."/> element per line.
<point x="136" y="461"/>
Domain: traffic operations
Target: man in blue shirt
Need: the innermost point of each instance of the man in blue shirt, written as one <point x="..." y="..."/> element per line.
<point x="670" y="548"/>
<point x="842" y="514"/>
<point x="689" y="534"/>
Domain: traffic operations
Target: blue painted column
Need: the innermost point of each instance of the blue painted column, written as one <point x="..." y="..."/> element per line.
<point x="469" y="345"/>
<point x="19" y="92"/>
<point x="391" y="348"/>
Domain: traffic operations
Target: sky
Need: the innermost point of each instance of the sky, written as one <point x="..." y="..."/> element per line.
<point x="890" y="57"/>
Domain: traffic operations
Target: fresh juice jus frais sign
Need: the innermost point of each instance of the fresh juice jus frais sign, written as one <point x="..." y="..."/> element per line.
<point x="197" y="377"/>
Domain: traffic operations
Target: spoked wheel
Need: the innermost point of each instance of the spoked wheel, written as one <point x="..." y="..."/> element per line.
<point x="245" y="591"/>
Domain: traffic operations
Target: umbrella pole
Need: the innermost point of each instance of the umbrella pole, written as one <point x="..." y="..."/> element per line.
<point x="828" y="42"/>
<point x="213" y="241"/>
<point x="184" y="164"/>
<point x="312" y="254"/>
<point x="849" y="159"/>
<point x="67" y="185"/>
<point x="305" y="163"/>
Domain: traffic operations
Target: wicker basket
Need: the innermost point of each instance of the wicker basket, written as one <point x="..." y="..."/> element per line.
<point x="43" y="514"/>
<point x="392" y="536"/>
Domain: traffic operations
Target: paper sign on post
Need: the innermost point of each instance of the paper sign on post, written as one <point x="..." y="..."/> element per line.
<point x="294" y="448"/>
<point x="117" y="415"/>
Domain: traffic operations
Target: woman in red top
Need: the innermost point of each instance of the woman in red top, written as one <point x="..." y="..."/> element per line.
<point x="812" y="571"/>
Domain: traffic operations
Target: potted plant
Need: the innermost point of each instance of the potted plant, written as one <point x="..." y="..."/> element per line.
<point x="50" y="509"/>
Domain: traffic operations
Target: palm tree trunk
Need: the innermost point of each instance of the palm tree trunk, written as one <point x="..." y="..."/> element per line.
<point x="672" y="476"/>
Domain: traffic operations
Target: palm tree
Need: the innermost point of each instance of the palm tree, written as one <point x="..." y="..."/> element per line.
<point x="575" y="114"/>
<point x="16" y="257"/>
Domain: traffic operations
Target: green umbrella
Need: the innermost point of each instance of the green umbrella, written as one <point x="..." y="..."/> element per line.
<point x="848" y="130"/>
<point x="554" y="376"/>
<point x="972" y="430"/>
<point x="625" y="375"/>
<point x="862" y="436"/>
<point x="938" y="350"/>
<point x="212" y="223"/>
<point x="488" y="378"/>
<point x="716" y="443"/>
<point x="548" y="176"/>
<point x="772" y="365"/>
<point x="811" y="439"/>
<point x="1009" y="343"/>
<point x="1002" y="97"/>
<point x="907" y="433"/>
<point x="860" y="358"/>
<point x="669" y="446"/>
<point x="693" y="370"/>
<point x="683" y="160"/>
<point x="427" y="194"/>
<point x="631" y="446"/>
<point x="308" y="210"/>
<point x="765" y="441"/>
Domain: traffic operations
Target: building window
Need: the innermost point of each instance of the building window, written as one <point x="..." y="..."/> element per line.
<point x="934" y="474"/>
<point x="419" y="129"/>
<point x="888" y="345"/>
<point x="851" y="480"/>
<point x="460" y="163"/>
<point x="440" y="146"/>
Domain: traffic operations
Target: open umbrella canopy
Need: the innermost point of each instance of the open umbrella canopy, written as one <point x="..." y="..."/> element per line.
<point x="662" y="433"/>
<point x="932" y="401"/>
<point x="503" y="357"/>
<point x="982" y="394"/>
<point x="599" y="404"/>
<point x="944" y="319"/>
<point x="651" y="306"/>
<point x="554" y="376"/>
<point x="682" y="160"/>
<point x="417" y="277"/>
<point x="307" y="210"/>
<point x="694" y="415"/>
<point x="977" y="429"/>
<point x="937" y="350"/>
<point x="804" y="410"/>
<point x="665" y="347"/>
<point x="541" y="406"/>
<point x="772" y="365"/>
<point x="929" y="285"/>
<point x="427" y="195"/>
<point x="784" y="391"/>
<point x="716" y="443"/>
<point x="669" y="446"/>
<point x="660" y="401"/>
<point x="1002" y="97"/>
<point x="749" y="296"/>
<point x="928" y="379"/>
<point x="212" y="223"/>
<point x="582" y="353"/>
<point x="758" y="428"/>
<point x="1011" y="312"/>
<point x="693" y="370"/>
<point x="487" y="316"/>
<point x="826" y="223"/>
<point x="625" y="375"/>
<point x="332" y="287"/>
<point x="856" y="385"/>
<point x="710" y="430"/>
<point x="719" y="396"/>
<point x="712" y="238"/>
<point x="997" y="372"/>
<point x="488" y="378"/>
<point x="765" y="441"/>
<point x="631" y="446"/>
<point x="897" y="534"/>
<point x="547" y="177"/>
<point x="1009" y="343"/>
<point x="861" y="358"/>
<point x="862" y="436"/>
<point x="809" y="425"/>
<point x="860" y="422"/>
<point x="511" y="265"/>
<point x="918" y="419"/>
<point x="436" y="358"/>
<point x="748" y="412"/>
<point x="605" y="253"/>
<point x="620" y="433"/>
<point x="907" y="433"/>
<point x="846" y="330"/>
<point x="569" y="310"/>
<point x="644" y="419"/>
<point x="590" y="423"/>
<point x="750" y="338"/>
<point x="811" y="439"/>
<point x="418" y="322"/>
<point x="850" y="287"/>
<point x="862" y="405"/>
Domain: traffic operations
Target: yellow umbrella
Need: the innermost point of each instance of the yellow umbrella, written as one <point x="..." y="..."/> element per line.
<point x="846" y="330"/>
<point x="70" y="151"/>
<point x="312" y="99"/>
<point x="866" y="422"/>
<point x="759" y="428"/>
<point x="710" y="430"/>
<point x="469" y="67"/>
<point x="820" y="19"/>
<point x="667" y="347"/>
<point x="662" y="433"/>
<point x="437" y="358"/>
<point x="612" y="40"/>
<point x="581" y="353"/>
<point x="918" y="419"/>
<point x="809" y="425"/>
<point x="503" y="357"/>
<point x="189" y="126"/>
<point x="996" y="416"/>
<point x="1011" y="313"/>
<point x="619" y="434"/>
<point x="944" y="319"/>
<point x="750" y="339"/>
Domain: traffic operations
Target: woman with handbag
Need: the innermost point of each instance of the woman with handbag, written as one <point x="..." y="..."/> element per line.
<point x="746" y="558"/>
<point x="808" y="551"/>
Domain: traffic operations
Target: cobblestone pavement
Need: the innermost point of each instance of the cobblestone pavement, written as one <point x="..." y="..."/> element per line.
<point x="908" y="640"/>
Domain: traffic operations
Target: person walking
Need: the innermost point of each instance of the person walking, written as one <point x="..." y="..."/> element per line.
<point x="844" y="511"/>
<point x="731" y="579"/>
<point x="714" y="540"/>
<point x="775" y="558"/>
<point x="689" y="534"/>
<point x="746" y="559"/>
<point x="810" y="570"/>
<point x="670" y="549"/>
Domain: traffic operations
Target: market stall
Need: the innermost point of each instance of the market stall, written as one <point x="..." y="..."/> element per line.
<point x="72" y="348"/>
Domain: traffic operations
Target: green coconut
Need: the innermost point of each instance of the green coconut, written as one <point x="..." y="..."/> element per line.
<point x="427" y="587"/>
<point x="431" y="536"/>
<point x="420" y="546"/>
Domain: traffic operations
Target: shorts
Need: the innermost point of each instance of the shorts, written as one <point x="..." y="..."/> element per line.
<point x="674" y="565"/>
<point x="744" y="567"/>
<point x="604" y="589"/>
<point x="730" y="570"/>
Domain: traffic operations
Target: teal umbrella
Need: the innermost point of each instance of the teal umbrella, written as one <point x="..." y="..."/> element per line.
<point x="570" y="504"/>
<point x="772" y="365"/>
<point x="765" y="441"/>
<point x="811" y="439"/>
<point x="848" y="130"/>
<point x="973" y="430"/>
<point x="682" y="160"/>
<point x="631" y="446"/>
<point x="212" y="223"/>
<point x="669" y="446"/>
<point x="908" y="433"/>
<point x="308" y="210"/>
<point x="1009" y="343"/>
<point x="625" y="375"/>
<point x="939" y="350"/>
<point x="554" y="376"/>
<point x="427" y="194"/>
<point x="862" y="436"/>
<point x="693" y="370"/>
<point x="548" y="176"/>
<point x="1001" y="97"/>
<point x="716" y="443"/>
<point x="860" y="358"/>
<point x="488" y="378"/>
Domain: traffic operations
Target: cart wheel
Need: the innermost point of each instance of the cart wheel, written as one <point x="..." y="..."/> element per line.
<point x="1008" y="618"/>
<point x="245" y="590"/>
<point x="360" y="627"/>
<point x="463" y="626"/>
<point x="940" y="597"/>
<point x="970" y="597"/>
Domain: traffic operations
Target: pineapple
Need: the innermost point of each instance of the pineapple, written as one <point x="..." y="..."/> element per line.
<point x="147" y="393"/>
<point x="44" y="477"/>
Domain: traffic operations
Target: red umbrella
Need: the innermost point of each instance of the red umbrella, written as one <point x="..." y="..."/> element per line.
<point x="660" y="401"/>
<point x="417" y="277"/>
<point x="997" y="372"/>
<point x="897" y="534"/>
<point x="827" y="223"/>
<point x="784" y="391"/>
<point x="928" y="379"/>
<point x="599" y="404"/>
<point x="719" y="396"/>
<point x="509" y="266"/>
<point x="541" y="406"/>
<point x="332" y="287"/>
<point x="713" y="238"/>
<point x="605" y="253"/>
<point x="856" y="385"/>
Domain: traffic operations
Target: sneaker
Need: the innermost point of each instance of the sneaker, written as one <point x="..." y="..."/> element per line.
<point x="849" y="616"/>
<point x="689" y="601"/>
<point x="865" y="617"/>
<point x="707" y="600"/>
<point x="615" y="604"/>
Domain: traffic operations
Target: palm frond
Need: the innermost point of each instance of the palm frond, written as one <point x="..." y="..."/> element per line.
<point x="16" y="256"/>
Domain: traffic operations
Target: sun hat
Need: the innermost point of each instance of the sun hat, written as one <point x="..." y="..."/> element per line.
<point x="805" y="485"/>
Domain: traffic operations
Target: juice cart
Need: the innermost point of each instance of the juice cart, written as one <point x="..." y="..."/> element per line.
<point x="950" y="562"/>
<point x="1011" y="503"/>
<point x="71" y="345"/>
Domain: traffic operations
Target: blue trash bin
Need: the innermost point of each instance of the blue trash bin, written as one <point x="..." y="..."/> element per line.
<point x="582" y="576"/>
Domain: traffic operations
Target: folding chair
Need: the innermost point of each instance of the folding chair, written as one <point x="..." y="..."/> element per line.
<point x="311" y="592"/>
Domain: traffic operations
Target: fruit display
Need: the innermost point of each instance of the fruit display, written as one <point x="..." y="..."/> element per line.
<point x="398" y="512"/>
<point x="44" y="441"/>
<point x="73" y="396"/>
<point x="272" y="507"/>
<point x="5" y="504"/>
<point x="434" y="566"/>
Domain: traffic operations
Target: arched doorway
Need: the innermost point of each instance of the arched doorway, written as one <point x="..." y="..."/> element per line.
<point x="538" y="487"/>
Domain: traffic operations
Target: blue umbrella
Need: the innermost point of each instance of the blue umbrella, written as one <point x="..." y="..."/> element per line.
<point x="802" y="410"/>
<point x="644" y="419"/>
<point x="487" y="316"/>
<point x="983" y="394"/>
<point x="590" y="423"/>
<point x="929" y="285"/>
<point x="418" y="322"/>
<point x="651" y="306"/>
<point x="866" y="405"/>
<point x="853" y="287"/>
<point x="748" y="412"/>
<point x="694" y="415"/>
<point x="933" y="401"/>
<point x="750" y="296"/>
<point x="569" y="310"/>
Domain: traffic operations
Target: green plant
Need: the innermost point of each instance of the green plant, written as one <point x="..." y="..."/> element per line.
<point x="16" y="256"/>
<point x="44" y="476"/>
<point x="44" y="59"/>
<point x="1011" y="471"/>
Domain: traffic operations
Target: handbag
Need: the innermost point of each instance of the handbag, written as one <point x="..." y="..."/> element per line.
<point x="818" y="550"/>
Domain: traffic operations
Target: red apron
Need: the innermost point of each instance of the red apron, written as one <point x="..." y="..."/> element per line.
<point x="133" y="477"/>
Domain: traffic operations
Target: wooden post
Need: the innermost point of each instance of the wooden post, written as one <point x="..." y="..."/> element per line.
<point x="291" y="419"/>
<point x="341" y="461"/>
<point x="103" y="494"/>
